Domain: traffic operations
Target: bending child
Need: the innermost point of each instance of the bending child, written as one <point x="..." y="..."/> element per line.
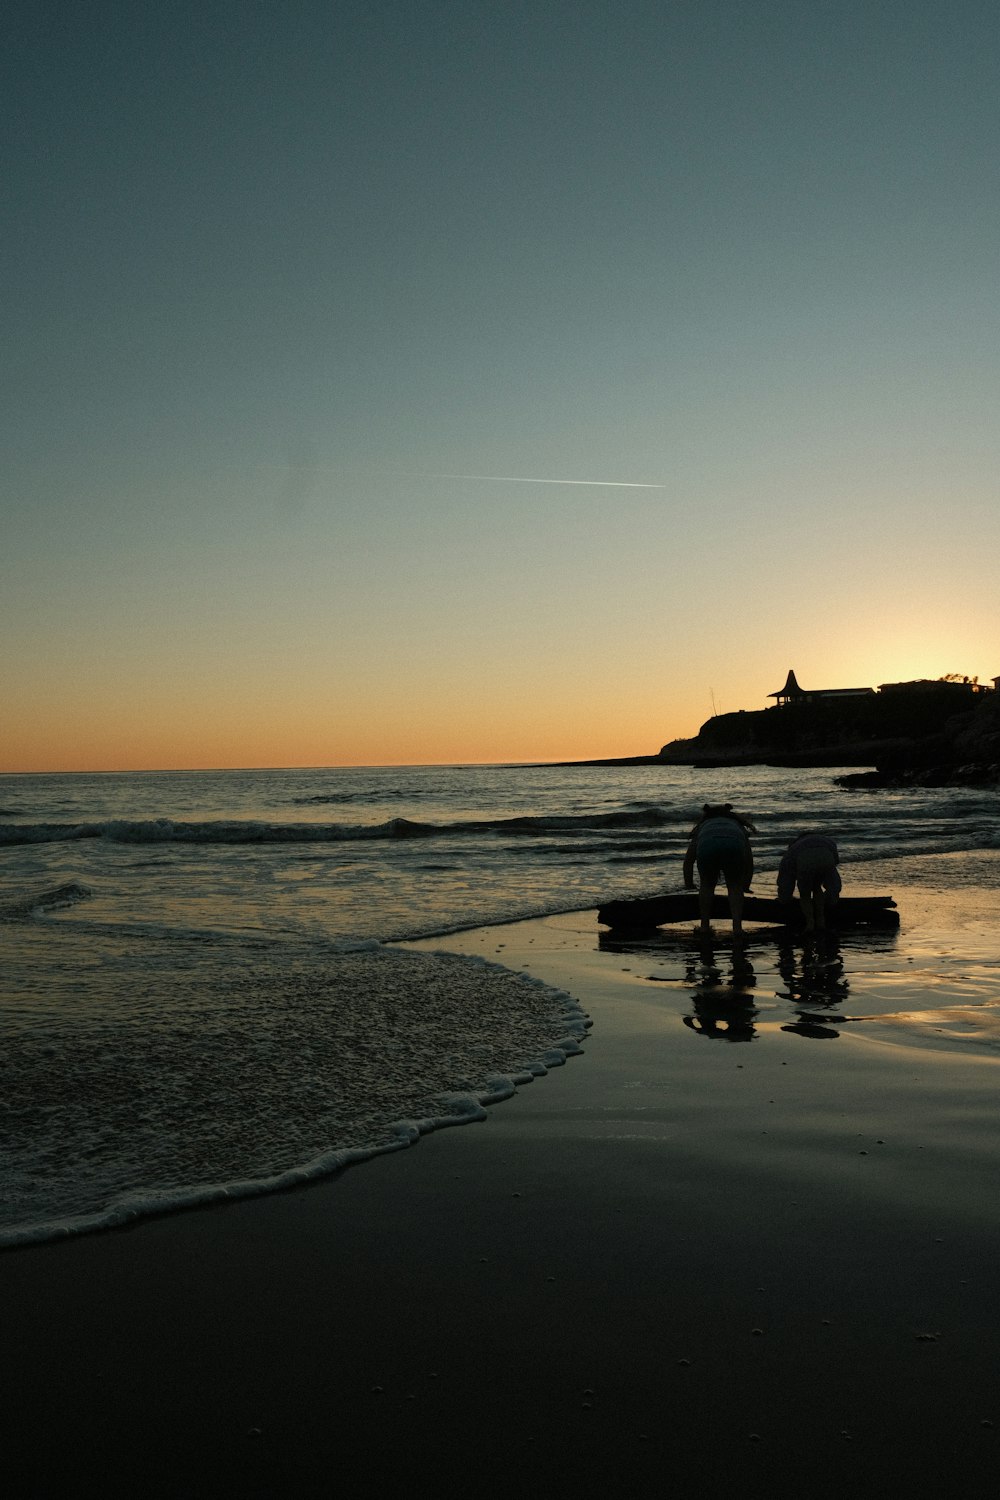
<point x="810" y="862"/>
<point x="720" y="845"/>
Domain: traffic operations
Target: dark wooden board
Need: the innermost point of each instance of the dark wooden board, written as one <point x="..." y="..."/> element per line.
<point x="646" y="913"/>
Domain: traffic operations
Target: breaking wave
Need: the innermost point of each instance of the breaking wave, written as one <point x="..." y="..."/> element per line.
<point x="233" y="831"/>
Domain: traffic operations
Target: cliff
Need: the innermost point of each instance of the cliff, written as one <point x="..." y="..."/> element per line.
<point x="906" y="734"/>
<point x="965" y="752"/>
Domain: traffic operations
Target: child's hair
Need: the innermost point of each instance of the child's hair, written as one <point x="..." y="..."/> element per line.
<point x="725" y="810"/>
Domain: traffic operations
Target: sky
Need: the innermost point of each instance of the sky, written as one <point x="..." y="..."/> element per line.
<point x="307" y="307"/>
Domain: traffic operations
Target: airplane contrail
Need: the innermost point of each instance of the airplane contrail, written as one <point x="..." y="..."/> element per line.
<point x="606" y="484"/>
<point x="602" y="484"/>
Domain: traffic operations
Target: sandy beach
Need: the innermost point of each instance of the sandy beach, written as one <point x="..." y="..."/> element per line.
<point x="675" y="1262"/>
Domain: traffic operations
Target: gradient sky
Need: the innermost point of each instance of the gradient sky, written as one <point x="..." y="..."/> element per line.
<point x="271" y="271"/>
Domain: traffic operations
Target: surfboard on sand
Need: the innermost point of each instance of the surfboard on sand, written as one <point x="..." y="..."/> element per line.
<point x="646" y="913"/>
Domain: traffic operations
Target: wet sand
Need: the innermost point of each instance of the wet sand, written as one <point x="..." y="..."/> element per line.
<point x="679" y="1262"/>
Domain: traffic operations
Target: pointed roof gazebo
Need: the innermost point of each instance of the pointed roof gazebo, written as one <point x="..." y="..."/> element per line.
<point x="790" y="692"/>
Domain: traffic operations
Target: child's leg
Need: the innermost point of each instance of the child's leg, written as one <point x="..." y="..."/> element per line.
<point x="734" y="886"/>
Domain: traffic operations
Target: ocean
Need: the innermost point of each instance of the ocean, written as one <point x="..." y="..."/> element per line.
<point x="200" y="997"/>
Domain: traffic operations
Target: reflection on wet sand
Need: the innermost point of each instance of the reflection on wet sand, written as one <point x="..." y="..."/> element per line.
<point x="723" y="1002"/>
<point x="814" y="980"/>
<point x="979" y="1024"/>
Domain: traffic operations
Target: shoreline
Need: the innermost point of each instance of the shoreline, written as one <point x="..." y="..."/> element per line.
<point x="385" y="1047"/>
<point x="673" y="1258"/>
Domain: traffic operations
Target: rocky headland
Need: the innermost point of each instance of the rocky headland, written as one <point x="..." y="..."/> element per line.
<point x="930" y="734"/>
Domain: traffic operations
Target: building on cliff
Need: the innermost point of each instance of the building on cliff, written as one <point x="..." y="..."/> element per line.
<point x="957" y="686"/>
<point x="792" y="693"/>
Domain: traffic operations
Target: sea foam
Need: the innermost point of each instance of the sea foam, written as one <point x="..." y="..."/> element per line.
<point x="272" y="1069"/>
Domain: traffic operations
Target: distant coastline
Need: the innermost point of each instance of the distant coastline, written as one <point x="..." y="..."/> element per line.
<point x="918" y="733"/>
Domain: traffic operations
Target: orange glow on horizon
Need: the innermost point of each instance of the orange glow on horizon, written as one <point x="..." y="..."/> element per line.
<point x="599" y="713"/>
<point x="221" y="748"/>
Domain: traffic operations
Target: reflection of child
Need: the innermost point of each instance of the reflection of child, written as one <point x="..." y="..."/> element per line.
<point x="719" y="846"/>
<point x="810" y="861"/>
